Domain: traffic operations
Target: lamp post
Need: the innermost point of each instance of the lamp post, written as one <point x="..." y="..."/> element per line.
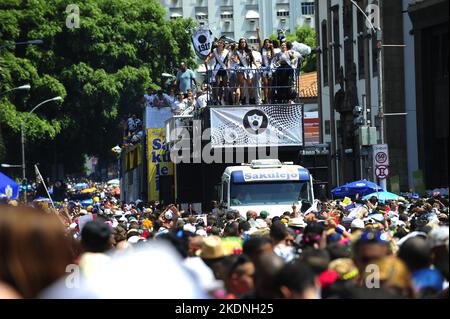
<point x="378" y="32"/>
<point x="9" y="165"/>
<point x="22" y="87"/>
<point x="22" y="42"/>
<point x="22" y="130"/>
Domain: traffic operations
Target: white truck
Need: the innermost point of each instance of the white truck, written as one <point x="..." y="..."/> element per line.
<point x="266" y="184"/>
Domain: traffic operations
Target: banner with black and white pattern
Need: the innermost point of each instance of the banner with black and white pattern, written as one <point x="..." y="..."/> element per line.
<point x="268" y="125"/>
<point x="202" y="42"/>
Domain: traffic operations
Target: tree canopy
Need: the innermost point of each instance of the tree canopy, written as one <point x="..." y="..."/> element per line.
<point x="101" y="70"/>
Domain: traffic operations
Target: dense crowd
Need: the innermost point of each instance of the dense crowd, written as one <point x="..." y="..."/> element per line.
<point x="333" y="249"/>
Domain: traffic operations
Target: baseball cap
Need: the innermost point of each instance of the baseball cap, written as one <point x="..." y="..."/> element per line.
<point x="264" y="214"/>
<point x="168" y="215"/>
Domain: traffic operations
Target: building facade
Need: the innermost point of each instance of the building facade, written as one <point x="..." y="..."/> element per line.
<point x="348" y="76"/>
<point x="414" y="85"/>
<point x="240" y="18"/>
<point x="429" y="53"/>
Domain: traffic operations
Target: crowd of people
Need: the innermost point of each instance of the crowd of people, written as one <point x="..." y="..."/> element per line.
<point x="332" y="249"/>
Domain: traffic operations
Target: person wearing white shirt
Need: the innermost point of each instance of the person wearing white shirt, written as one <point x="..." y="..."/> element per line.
<point x="148" y="98"/>
<point x="220" y="70"/>
<point x="179" y="105"/>
<point x="201" y="100"/>
<point x="257" y="58"/>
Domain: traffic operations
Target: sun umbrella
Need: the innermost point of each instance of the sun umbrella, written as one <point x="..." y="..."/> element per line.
<point x="81" y="186"/>
<point x="114" y="182"/>
<point x="88" y="190"/>
<point x="87" y="202"/>
<point x="362" y="187"/>
<point x="383" y="196"/>
<point x="8" y="188"/>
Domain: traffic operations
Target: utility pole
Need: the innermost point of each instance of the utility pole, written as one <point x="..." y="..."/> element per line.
<point x="24" y="176"/>
<point x="380" y="92"/>
<point x="379" y="34"/>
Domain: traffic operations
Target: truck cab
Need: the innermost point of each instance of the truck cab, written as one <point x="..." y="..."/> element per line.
<point x="266" y="184"/>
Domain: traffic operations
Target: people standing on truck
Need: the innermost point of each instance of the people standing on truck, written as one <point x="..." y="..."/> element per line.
<point x="244" y="60"/>
<point x="256" y="83"/>
<point x="220" y="72"/>
<point x="185" y="78"/>
<point x="267" y="54"/>
<point x="179" y="105"/>
<point x="147" y="100"/>
<point x="283" y="74"/>
<point x="161" y="100"/>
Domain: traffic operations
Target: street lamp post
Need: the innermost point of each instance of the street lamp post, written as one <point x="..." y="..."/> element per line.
<point x="22" y="42"/>
<point x="22" y="87"/>
<point x="22" y="131"/>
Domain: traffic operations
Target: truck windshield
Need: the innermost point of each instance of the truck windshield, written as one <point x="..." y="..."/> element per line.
<point x="243" y="194"/>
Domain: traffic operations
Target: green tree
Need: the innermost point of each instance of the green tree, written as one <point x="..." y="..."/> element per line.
<point x="101" y="70"/>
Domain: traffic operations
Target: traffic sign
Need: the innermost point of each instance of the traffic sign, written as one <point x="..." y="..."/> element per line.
<point x="382" y="171"/>
<point x="380" y="154"/>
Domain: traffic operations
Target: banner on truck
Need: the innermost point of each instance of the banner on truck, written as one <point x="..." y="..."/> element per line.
<point x="159" y="163"/>
<point x="269" y="125"/>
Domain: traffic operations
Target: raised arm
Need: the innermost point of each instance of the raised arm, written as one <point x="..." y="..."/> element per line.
<point x="259" y="38"/>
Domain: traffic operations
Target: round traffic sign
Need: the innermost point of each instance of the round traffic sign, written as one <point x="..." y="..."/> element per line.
<point x="382" y="171"/>
<point x="381" y="157"/>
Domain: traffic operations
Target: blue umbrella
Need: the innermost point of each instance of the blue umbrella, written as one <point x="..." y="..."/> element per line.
<point x="87" y="202"/>
<point x="8" y="188"/>
<point x="81" y="186"/>
<point x="361" y="187"/>
<point x="383" y="196"/>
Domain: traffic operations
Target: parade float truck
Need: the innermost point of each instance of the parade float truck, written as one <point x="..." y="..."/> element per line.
<point x="268" y="185"/>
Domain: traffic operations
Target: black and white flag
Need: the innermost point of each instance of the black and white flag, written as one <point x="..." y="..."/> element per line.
<point x="202" y="42"/>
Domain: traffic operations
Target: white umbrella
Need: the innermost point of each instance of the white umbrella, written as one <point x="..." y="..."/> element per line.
<point x="114" y="182"/>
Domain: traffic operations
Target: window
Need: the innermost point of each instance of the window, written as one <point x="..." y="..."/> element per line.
<point x="336" y="40"/>
<point x="282" y="13"/>
<point x="226" y="15"/>
<point x="175" y="15"/>
<point x="201" y="16"/>
<point x="324" y="52"/>
<point x="374" y="50"/>
<point x="308" y="8"/>
<point x="225" y="191"/>
<point x="347" y="17"/>
<point x="252" y="40"/>
<point x="360" y="30"/>
<point x="374" y="56"/>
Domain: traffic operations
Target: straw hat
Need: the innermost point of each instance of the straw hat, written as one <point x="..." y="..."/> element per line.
<point x="212" y="248"/>
<point x="297" y="222"/>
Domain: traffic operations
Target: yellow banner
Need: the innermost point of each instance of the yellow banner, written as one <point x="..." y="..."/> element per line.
<point x="159" y="163"/>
